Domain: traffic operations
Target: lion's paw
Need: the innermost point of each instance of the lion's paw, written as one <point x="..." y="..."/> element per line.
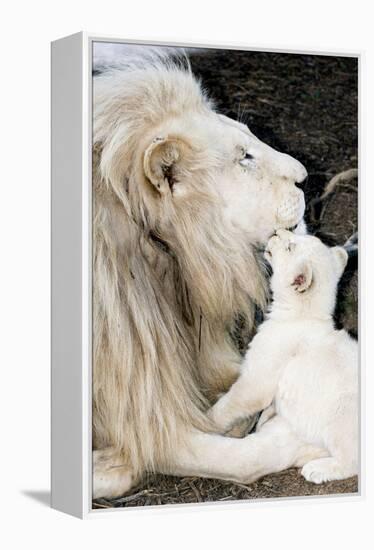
<point x="111" y="476"/>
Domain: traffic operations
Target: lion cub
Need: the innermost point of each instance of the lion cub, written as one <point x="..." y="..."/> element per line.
<point x="298" y="366"/>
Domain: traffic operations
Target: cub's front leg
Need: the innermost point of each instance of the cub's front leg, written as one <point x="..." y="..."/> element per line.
<point x="252" y="392"/>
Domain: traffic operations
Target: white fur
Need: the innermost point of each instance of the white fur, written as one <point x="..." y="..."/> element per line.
<point x="298" y="367"/>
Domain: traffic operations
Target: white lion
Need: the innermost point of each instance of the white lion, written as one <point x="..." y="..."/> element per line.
<point x="298" y="365"/>
<point x="182" y="196"/>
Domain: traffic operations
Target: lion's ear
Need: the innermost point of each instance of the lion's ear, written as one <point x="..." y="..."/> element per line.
<point x="303" y="277"/>
<point x="163" y="162"/>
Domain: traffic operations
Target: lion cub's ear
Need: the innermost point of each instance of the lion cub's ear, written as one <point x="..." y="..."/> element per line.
<point x="341" y="258"/>
<point x="303" y="277"/>
<point x="164" y="161"/>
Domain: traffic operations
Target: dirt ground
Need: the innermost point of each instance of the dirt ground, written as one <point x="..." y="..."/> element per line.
<point x="305" y="106"/>
<point x="157" y="489"/>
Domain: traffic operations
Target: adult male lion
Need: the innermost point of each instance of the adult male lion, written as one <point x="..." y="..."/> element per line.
<point x="182" y="196"/>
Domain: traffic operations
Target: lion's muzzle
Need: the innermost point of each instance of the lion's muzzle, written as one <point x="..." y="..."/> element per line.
<point x="291" y="210"/>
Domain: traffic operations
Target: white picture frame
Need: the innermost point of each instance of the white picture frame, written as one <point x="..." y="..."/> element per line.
<point x="71" y="454"/>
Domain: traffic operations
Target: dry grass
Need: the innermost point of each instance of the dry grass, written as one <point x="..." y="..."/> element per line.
<point x="158" y="490"/>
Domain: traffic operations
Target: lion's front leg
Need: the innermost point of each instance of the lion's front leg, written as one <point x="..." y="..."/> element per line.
<point x="112" y="476"/>
<point x="273" y="449"/>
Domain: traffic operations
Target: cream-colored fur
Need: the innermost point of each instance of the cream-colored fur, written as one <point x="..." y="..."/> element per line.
<point x="298" y="366"/>
<point x="182" y="196"/>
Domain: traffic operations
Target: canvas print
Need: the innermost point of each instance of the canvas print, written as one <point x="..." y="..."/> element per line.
<point x="225" y="275"/>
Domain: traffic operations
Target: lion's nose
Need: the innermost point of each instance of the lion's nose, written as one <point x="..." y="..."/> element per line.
<point x="290" y="170"/>
<point x="302" y="183"/>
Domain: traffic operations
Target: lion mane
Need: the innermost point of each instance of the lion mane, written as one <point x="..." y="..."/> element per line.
<point x="168" y="281"/>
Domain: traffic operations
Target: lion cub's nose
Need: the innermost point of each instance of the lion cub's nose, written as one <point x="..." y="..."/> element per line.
<point x="282" y="233"/>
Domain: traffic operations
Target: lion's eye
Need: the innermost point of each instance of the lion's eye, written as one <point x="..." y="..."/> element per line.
<point x="246" y="160"/>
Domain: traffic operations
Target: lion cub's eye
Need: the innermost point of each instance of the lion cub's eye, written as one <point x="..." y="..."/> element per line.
<point x="290" y="247"/>
<point x="246" y="160"/>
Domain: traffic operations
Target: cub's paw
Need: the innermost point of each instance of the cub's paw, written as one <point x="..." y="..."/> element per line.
<point x="242" y="427"/>
<point x="322" y="470"/>
<point x="218" y="418"/>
